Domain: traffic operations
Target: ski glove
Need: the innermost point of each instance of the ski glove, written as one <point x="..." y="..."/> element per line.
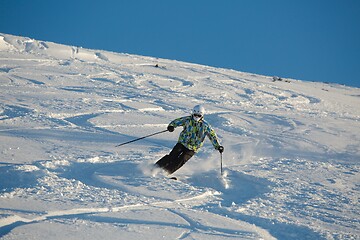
<point x="220" y="149"/>
<point x="170" y="128"/>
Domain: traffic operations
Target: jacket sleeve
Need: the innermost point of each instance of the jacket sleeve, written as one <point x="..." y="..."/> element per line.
<point x="213" y="138"/>
<point x="178" y="122"/>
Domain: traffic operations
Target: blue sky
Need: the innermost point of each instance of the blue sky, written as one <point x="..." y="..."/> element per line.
<point x="313" y="40"/>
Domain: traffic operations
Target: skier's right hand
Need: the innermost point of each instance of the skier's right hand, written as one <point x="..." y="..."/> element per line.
<point x="170" y="128"/>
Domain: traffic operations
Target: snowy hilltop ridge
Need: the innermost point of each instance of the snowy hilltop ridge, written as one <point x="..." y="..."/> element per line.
<point x="291" y="158"/>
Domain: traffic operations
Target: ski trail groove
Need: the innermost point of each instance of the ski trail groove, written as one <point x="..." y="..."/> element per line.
<point x="16" y="220"/>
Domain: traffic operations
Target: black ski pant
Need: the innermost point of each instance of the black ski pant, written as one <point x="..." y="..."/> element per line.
<point x="178" y="156"/>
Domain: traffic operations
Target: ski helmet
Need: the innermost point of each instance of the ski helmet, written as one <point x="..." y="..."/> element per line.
<point x="198" y="112"/>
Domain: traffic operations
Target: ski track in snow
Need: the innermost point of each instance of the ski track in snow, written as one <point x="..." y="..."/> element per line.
<point x="291" y="150"/>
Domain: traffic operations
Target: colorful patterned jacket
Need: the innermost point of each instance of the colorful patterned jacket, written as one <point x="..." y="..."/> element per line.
<point x="193" y="134"/>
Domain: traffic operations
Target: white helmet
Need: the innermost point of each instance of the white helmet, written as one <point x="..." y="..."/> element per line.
<point x="198" y="112"/>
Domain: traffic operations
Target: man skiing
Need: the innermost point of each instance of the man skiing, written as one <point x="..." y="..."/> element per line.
<point x="195" y="129"/>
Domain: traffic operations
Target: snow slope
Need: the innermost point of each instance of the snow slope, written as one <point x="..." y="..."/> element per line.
<point x="291" y="159"/>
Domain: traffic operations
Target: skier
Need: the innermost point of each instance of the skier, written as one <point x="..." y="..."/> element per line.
<point x="195" y="129"/>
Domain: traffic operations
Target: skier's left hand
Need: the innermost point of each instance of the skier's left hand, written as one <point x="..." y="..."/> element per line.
<point x="221" y="149"/>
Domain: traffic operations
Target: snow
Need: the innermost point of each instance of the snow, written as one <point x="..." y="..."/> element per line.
<point x="291" y="160"/>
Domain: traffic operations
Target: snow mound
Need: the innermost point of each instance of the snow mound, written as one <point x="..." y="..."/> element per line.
<point x="290" y="166"/>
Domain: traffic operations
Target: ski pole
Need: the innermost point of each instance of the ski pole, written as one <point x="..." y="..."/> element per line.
<point x="140" y="138"/>
<point x="221" y="163"/>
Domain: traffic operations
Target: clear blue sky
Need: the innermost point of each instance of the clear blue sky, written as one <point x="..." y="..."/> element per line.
<point x="314" y="40"/>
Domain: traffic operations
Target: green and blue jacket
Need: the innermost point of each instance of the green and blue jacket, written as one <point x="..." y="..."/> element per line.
<point x="194" y="133"/>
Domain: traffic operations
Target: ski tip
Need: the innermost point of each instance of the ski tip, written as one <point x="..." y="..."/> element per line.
<point x="173" y="178"/>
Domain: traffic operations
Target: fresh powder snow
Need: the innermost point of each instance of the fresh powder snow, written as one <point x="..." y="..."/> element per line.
<point x="290" y="165"/>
